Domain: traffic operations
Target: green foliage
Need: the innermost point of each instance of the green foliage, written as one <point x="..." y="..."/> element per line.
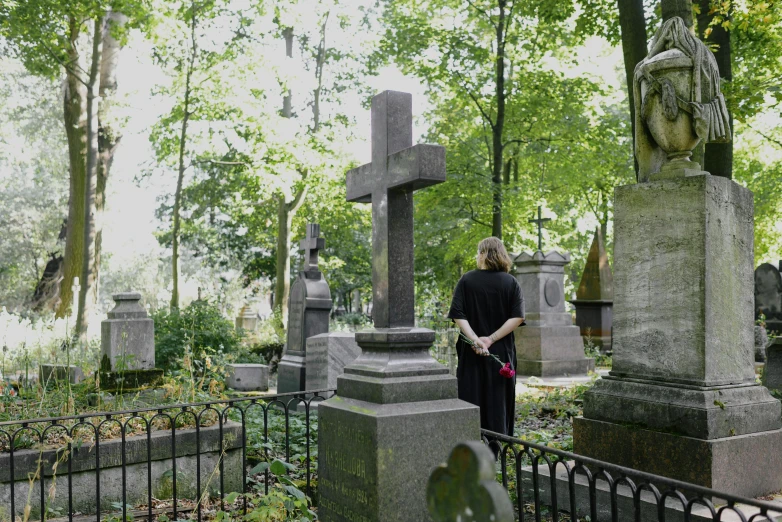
<point x="199" y="327"/>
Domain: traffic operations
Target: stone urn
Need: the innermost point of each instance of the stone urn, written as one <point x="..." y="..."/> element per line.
<point x="669" y="76"/>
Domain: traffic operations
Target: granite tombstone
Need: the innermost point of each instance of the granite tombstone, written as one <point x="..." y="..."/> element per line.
<point x="310" y="304"/>
<point x="683" y="385"/>
<point x="550" y="345"/>
<point x="376" y="442"/>
<point x="772" y="371"/>
<point x="327" y="356"/>
<point x="594" y="300"/>
<point x="768" y="296"/>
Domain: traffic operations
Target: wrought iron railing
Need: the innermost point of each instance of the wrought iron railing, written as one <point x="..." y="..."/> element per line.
<point x="140" y="438"/>
<point x="539" y="478"/>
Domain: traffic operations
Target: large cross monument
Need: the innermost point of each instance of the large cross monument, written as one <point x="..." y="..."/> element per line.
<point x="376" y="441"/>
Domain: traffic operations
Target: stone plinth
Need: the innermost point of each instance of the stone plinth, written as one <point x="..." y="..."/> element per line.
<point x="59" y="373"/>
<point x="128" y="335"/>
<point x="772" y="371"/>
<point x="549" y="345"/>
<point x="683" y="382"/>
<point x="248" y="377"/>
<point x="327" y="356"/>
<point x="394" y="419"/>
<point x="595" y="296"/>
<point x="308" y="315"/>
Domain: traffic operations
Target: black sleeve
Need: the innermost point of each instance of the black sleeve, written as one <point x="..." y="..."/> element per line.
<point x="457" y="303"/>
<point x="517" y="304"/>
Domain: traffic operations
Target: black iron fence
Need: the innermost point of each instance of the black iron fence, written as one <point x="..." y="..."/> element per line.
<point x="118" y="464"/>
<point x="185" y="453"/>
<point x="547" y="484"/>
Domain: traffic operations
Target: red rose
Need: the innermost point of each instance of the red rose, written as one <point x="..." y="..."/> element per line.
<point x="507" y="372"/>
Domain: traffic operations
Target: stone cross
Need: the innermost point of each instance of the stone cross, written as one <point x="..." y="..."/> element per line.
<point x="466" y="490"/>
<point x="388" y="182"/>
<point x="311" y="245"/>
<point x="539" y="222"/>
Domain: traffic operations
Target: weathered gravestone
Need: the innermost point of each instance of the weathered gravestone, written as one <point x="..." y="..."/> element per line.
<point x="681" y="400"/>
<point x="327" y="356"/>
<point x="550" y="344"/>
<point x="465" y="489"/>
<point x="49" y="374"/>
<point x="594" y="300"/>
<point x="768" y="296"/>
<point x="247" y="319"/>
<point x="247" y="377"/>
<point x="310" y="304"/>
<point x="128" y="345"/>
<point x="396" y="414"/>
<point x="772" y="371"/>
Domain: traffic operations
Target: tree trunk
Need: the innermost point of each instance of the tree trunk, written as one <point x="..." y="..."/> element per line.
<point x="680" y="8"/>
<point x="176" y="225"/>
<point x="75" y="117"/>
<point x="633" y="27"/>
<point x="108" y="136"/>
<point x="93" y="99"/>
<point x="718" y="157"/>
<point x="497" y="129"/>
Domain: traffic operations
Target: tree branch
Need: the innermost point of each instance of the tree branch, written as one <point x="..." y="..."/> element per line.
<point x="483" y="12"/>
<point x="775" y="141"/>
<point x="294" y="205"/>
<point x="474" y="99"/>
<point x="473" y="218"/>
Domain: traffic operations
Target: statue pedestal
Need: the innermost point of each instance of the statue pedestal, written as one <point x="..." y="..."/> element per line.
<point x="683" y="378"/>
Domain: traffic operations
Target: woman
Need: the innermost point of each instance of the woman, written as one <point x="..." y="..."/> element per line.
<point x="487" y="306"/>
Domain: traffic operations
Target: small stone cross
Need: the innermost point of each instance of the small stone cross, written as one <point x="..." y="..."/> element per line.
<point x="397" y="169"/>
<point x="465" y="489"/>
<point x="311" y="245"/>
<point x="539" y="222"/>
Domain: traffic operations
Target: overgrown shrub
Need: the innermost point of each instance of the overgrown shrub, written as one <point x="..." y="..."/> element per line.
<point x="200" y="325"/>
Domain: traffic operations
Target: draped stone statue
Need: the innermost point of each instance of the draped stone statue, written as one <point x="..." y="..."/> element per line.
<point x="677" y="103"/>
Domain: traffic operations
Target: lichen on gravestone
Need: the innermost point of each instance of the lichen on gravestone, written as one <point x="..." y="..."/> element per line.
<point x="465" y="489"/>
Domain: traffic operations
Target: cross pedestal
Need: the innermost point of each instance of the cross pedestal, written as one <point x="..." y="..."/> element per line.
<point x="375" y="439"/>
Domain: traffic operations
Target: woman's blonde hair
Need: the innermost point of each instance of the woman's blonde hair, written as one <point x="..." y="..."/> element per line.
<point x="493" y="256"/>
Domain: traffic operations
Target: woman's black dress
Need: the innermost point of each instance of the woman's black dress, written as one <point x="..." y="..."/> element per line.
<point x="487" y="299"/>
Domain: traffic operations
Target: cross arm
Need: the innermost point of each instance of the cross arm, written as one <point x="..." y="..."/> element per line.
<point x="417" y="167"/>
<point x="359" y="184"/>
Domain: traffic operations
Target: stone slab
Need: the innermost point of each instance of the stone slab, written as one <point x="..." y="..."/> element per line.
<point x="745" y="465"/>
<point x="683" y="281"/>
<point x="52" y="373"/>
<point x="375" y="459"/>
<point x="248" y="377"/>
<point x="625" y="503"/>
<point x="327" y="356"/>
<point x="705" y="413"/>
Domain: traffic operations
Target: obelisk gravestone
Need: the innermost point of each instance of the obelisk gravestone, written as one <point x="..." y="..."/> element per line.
<point x="396" y="415"/>
<point x="310" y="305"/>
<point x="594" y="300"/>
